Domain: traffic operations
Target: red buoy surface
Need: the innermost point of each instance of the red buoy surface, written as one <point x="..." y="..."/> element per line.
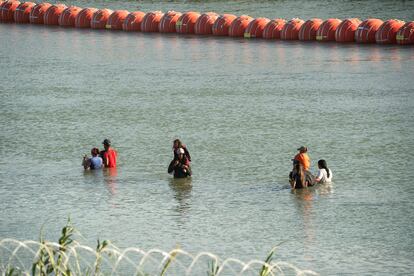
<point x="256" y="27"/>
<point x="405" y="34"/>
<point x="186" y="23"/>
<point x="168" y="22"/>
<point x="116" y="19"/>
<point x="22" y="12"/>
<point x="84" y="18"/>
<point x="308" y="30"/>
<point x="387" y="32"/>
<point x="291" y="29"/>
<point x="38" y="12"/>
<point x="327" y="29"/>
<point x="222" y="24"/>
<point x="346" y="30"/>
<point x="7" y="9"/>
<point x="274" y="28"/>
<point x="151" y="21"/>
<point x="365" y="32"/>
<point x="239" y="26"/>
<point x="204" y="24"/>
<point x="52" y="14"/>
<point x="132" y="22"/>
<point x="68" y="16"/>
<point x="100" y="18"/>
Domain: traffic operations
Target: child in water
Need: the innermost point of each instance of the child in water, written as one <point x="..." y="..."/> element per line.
<point x="177" y="144"/>
<point x="93" y="163"/>
<point x="180" y="166"/>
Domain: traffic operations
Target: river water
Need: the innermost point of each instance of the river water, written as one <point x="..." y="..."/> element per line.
<point x="242" y="107"/>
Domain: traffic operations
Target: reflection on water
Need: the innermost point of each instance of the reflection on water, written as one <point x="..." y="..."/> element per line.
<point x="110" y="178"/>
<point x="304" y="200"/>
<point x="182" y="193"/>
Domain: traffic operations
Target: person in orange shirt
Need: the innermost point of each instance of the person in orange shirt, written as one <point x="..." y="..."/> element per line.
<point x="109" y="155"/>
<point x="303" y="158"/>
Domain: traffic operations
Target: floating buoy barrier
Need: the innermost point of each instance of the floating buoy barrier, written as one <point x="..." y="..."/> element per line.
<point x="22" y="12"/>
<point x="116" y="19"/>
<point x="186" y="22"/>
<point x="239" y="25"/>
<point x="371" y="30"/>
<point x="132" y="22"/>
<point x="7" y="9"/>
<point x="387" y="32"/>
<point x="405" y="34"/>
<point x="84" y="18"/>
<point x="291" y="29"/>
<point x="151" y="21"/>
<point x="168" y="22"/>
<point x="38" y="12"/>
<point x="326" y="31"/>
<point x="68" y="16"/>
<point x="308" y="30"/>
<point x="204" y="24"/>
<point x="53" y="13"/>
<point x="346" y="30"/>
<point x="100" y="18"/>
<point x="222" y="25"/>
<point x="256" y="27"/>
<point x="274" y="28"/>
<point x="366" y="31"/>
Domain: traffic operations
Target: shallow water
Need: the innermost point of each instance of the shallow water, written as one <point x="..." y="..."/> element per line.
<point x="242" y="107"/>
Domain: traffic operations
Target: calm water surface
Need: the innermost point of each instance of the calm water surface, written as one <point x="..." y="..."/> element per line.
<point x="242" y="107"/>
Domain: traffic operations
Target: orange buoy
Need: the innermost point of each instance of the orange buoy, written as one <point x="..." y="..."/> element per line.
<point x="256" y="27"/>
<point x="52" y="14"/>
<point x="291" y="29"/>
<point x="132" y="22"/>
<point x="346" y="30"/>
<point x="186" y="22"/>
<point x="222" y="24"/>
<point x="168" y="22"/>
<point x="22" y="12"/>
<point x="327" y="29"/>
<point x="38" y="12"/>
<point x="308" y="30"/>
<point x="274" y="28"/>
<point x="405" y="34"/>
<point x="387" y="32"/>
<point x="68" y="16"/>
<point x="151" y="21"/>
<point x="116" y="19"/>
<point x="365" y="32"/>
<point x="84" y="18"/>
<point x="7" y="9"/>
<point x="239" y="25"/>
<point x="100" y="18"/>
<point x="204" y="24"/>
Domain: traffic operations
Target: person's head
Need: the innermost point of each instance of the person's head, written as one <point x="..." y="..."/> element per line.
<point x="322" y="165"/>
<point x="106" y="143"/>
<point x="177" y="144"/>
<point x="180" y="153"/>
<point x="303" y="149"/>
<point x="95" y="152"/>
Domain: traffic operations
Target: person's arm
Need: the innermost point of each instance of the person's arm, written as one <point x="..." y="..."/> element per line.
<point x="172" y="166"/>
<point x="86" y="163"/>
<point x="319" y="176"/>
<point x="187" y="154"/>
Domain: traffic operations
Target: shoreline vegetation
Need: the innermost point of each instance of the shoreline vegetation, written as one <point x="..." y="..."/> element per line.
<point x="68" y="257"/>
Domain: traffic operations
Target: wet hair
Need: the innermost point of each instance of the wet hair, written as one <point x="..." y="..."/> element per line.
<point x="179" y="144"/>
<point x="300" y="172"/>
<point x="323" y="165"/>
<point x="95" y="151"/>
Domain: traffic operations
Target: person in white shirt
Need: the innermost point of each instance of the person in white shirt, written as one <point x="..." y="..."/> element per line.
<point x="324" y="174"/>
